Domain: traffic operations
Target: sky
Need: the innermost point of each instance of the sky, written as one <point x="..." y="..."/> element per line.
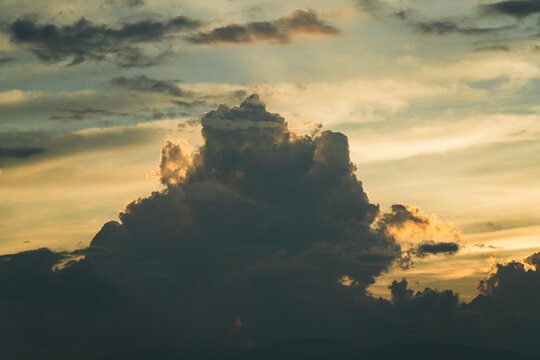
<point x="412" y="126"/>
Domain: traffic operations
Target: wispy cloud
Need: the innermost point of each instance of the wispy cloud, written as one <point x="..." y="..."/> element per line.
<point x="86" y="40"/>
<point x="279" y="31"/>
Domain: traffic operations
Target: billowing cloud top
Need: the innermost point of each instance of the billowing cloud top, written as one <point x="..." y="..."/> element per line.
<point x="273" y="201"/>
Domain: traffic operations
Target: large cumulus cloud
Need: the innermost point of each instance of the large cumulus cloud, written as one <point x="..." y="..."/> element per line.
<point x="256" y="228"/>
<point x="261" y="234"/>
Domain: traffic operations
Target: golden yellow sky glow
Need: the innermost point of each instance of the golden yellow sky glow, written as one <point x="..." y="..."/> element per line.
<point x="473" y="262"/>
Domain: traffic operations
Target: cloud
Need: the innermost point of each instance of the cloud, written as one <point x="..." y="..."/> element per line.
<point x="21" y="152"/>
<point x="82" y="113"/>
<point x="145" y="84"/>
<point x="534" y="259"/>
<point x="512" y="286"/>
<point x="127" y="3"/>
<point x="279" y="31"/>
<point x="175" y="161"/>
<point x="492" y="47"/>
<point x="43" y="286"/>
<point x="418" y="235"/>
<point x="516" y="8"/>
<point x="372" y="6"/>
<point x="442" y="27"/>
<point x="428" y="300"/>
<point x="430" y="247"/>
<point x="258" y="224"/>
<point x="85" y="40"/>
<point x="457" y="24"/>
<point x="4" y="60"/>
<point x="52" y="145"/>
<point x="141" y="97"/>
<point x="508" y="301"/>
<point x="134" y="3"/>
<point x="249" y="227"/>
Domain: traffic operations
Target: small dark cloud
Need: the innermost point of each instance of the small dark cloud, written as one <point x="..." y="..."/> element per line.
<point x="135" y="57"/>
<point x="433" y="248"/>
<point x="279" y="31"/>
<point x="155" y="114"/>
<point x="400" y="292"/>
<point x="443" y="27"/>
<point x="145" y="84"/>
<point x="21" y="152"/>
<point x="190" y="104"/>
<point x="516" y="8"/>
<point x="423" y="230"/>
<point x="134" y="3"/>
<point x="128" y="3"/>
<point x="82" y="113"/>
<point x="4" y="60"/>
<point x="400" y="215"/>
<point x="493" y="47"/>
<point x="404" y="14"/>
<point x="85" y="40"/>
<point x="371" y="6"/>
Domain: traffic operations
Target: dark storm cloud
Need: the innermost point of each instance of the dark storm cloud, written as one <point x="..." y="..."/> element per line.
<point x="21" y="152"/>
<point x="85" y="40"/>
<point x="258" y="235"/>
<point x="515" y="8"/>
<point x="250" y="227"/>
<point x="146" y="84"/>
<point x="280" y="31"/>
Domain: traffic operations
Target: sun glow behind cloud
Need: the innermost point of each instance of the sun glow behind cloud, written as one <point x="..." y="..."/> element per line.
<point x="464" y="269"/>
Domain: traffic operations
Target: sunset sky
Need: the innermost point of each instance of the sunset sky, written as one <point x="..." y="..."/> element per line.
<point x="438" y="100"/>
